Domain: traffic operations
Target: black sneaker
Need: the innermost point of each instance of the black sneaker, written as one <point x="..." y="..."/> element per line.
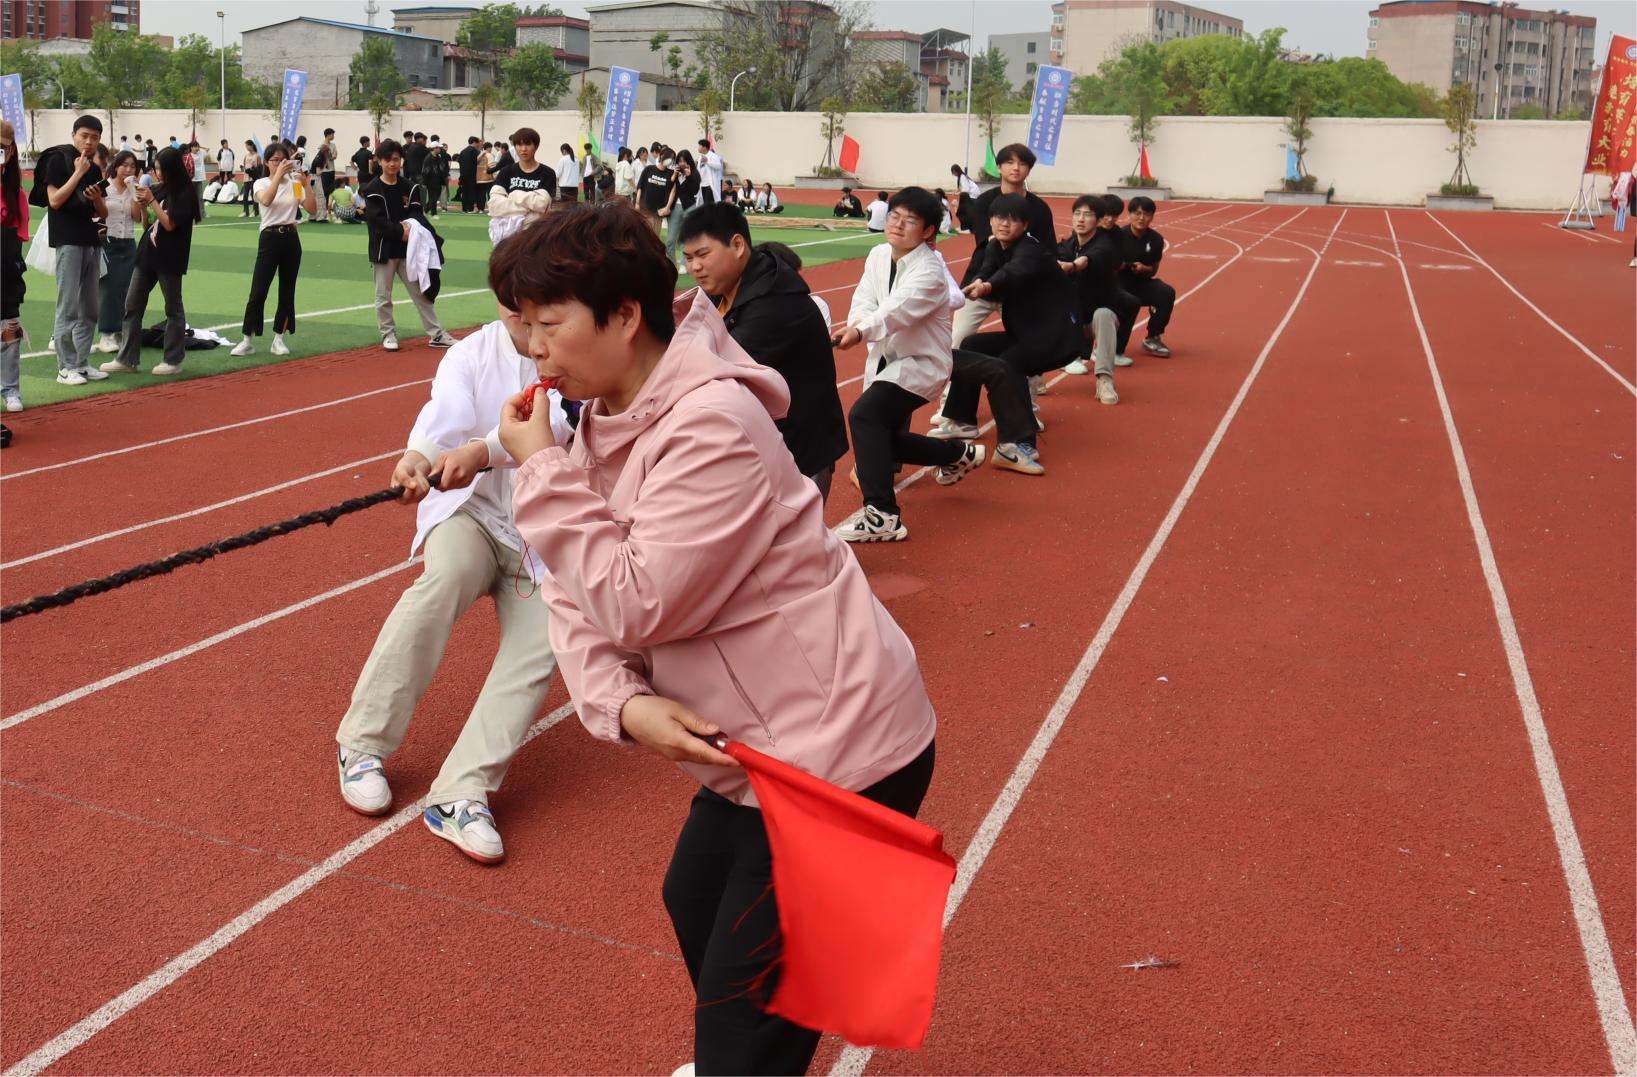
<point x="1155" y="346"/>
<point x="870" y="524"/>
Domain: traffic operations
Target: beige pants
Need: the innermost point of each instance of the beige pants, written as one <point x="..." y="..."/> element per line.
<point x="1104" y="329"/>
<point x="463" y="562"/>
<point x="384" y="272"/>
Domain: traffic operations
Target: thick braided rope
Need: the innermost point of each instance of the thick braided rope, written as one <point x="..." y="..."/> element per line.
<point x="197" y="555"/>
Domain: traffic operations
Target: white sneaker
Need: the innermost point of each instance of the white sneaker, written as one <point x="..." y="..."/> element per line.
<point x="390" y="342"/>
<point x="93" y="374"/>
<point x="164" y="369"/>
<point x="1105" y="390"/>
<point x="1038" y="386"/>
<point x="247" y="346"/>
<point x="70" y="377"/>
<point x="683" y="1071"/>
<point x="1038" y="421"/>
<point x="114" y="366"/>
<point x="1077" y="367"/>
<point x="470" y="826"/>
<point x="870" y="524"/>
<point x="1122" y="360"/>
<point x="363" y="783"/>
<point x="279" y="347"/>
<point x="442" y="340"/>
<point x="106" y="345"/>
<point x="970" y="461"/>
<point x="950" y="430"/>
<point x="14" y="401"/>
<point x="1014" y="457"/>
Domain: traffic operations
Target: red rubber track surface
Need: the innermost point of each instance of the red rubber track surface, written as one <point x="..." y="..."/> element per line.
<point x="1326" y="810"/>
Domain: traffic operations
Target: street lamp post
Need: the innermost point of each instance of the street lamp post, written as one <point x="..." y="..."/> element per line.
<point x="734" y="85"/>
<point x="221" y="22"/>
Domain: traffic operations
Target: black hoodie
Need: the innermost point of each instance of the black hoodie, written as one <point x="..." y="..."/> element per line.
<point x="386" y="208"/>
<point x="774" y="319"/>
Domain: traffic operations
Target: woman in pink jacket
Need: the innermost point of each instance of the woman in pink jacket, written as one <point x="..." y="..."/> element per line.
<point x="694" y="588"/>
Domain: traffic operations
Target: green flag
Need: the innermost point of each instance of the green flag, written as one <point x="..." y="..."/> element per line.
<point x="989" y="164"/>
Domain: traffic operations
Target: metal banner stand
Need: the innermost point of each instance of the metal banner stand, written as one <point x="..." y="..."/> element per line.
<point x="1585" y="208"/>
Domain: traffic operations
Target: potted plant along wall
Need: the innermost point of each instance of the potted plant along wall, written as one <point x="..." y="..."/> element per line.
<point x="1139" y="77"/>
<point x="827" y="175"/>
<point x="1298" y="187"/>
<point x="1461" y="117"/>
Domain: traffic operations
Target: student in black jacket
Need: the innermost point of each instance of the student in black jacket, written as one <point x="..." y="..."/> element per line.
<point x="1040" y="330"/>
<point x="435" y="177"/>
<point x="1090" y="257"/>
<point x="390" y="203"/>
<point x="770" y="313"/>
<point x="468" y="174"/>
<point x="1143" y="249"/>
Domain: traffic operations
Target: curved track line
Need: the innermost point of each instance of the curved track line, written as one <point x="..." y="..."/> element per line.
<point x="1570" y="337"/>
<point x="1618" y="1030"/>
<point x="853" y="1060"/>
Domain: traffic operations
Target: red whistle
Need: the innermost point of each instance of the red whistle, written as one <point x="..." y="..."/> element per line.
<point x="527" y="410"/>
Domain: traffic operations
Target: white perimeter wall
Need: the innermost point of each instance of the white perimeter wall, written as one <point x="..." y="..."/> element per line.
<point x="1524" y="164"/>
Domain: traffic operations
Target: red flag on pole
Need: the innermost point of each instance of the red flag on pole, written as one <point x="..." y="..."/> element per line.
<point x="1142" y="163"/>
<point x="849" y="154"/>
<point x="861" y="891"/>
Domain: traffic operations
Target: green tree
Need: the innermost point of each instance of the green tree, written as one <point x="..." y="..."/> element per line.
<point x="374" y="80"/>
<point x="799" y="50"/>
<point x="590" y="101"/>
<point x="889" y="87"/>
<point x="832" y="126"/>
<point x="534" y="78"/>
<point x="1461" y="117"/>
<point x="1257" y="80"/>
<point x="494" y="26"/>
<point x="485" y="98"/>
<point x="1298" y="131"/>
<point x="991" y="91"/>
<point x="194" y="69"/>
<point x="710" y="104"/>
<point x="122" y="70"/>
<point x="1136" y="80"/>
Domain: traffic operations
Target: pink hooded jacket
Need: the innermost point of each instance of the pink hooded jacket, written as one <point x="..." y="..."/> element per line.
<point x="689" y="559"/>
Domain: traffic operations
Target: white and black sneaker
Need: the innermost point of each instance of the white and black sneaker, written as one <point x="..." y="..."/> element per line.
<point x="870" y="524"/>
<point x="442" y="340"/>
<point x="1155" y="346"/>
<point x="363" y="783"/>
<point x="970" y="461"/>
<point x="470" y="826"/>
<point x="949" y="430"/>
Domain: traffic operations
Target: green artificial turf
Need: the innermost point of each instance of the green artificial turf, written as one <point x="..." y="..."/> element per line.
<point x="335" y="295"/>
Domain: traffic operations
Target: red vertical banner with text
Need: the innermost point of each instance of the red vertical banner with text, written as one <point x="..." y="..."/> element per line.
<point x="1614" y="118"/>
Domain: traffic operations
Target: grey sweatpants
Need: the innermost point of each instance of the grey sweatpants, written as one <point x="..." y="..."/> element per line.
<point x="79" y="295"/>
<point x="384" y="272"/>
<point x="1105" y="328"/>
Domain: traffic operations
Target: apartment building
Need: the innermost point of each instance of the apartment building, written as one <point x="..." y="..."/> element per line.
<point x="1092" y="31"/>
<point x="1514" y="56"/>
<point x="1024" y="54"/>
<point x="46" y="20"/>
<point x="878" y="48"/>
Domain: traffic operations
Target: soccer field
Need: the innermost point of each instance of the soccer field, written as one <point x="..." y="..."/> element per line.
<point x="335" y="296"/>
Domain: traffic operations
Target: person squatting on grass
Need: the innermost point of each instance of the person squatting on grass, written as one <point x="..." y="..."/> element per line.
<point x="768" y="310"/>
<point x="71" y="183"/>
<point x="119" y="248"/>
<point x="472" y="549"/>
<point x="392" y="210"/>
<point x="13" y="233"/>
<point x="278" y="248"/>
<point x="162" y="259"/>
<point x="695" y="589"/>
<point x="901" y="308"/>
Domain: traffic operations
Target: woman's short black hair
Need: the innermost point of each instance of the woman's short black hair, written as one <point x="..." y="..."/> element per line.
<point x="599" y="255"/>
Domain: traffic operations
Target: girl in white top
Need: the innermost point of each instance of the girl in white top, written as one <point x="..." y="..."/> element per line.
<point x="123" y="213"/>
<point x="625" y="175"/>
<point x="279" y="249"/>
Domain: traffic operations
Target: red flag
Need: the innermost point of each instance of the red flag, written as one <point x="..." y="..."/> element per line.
<point x="849" y="154"/>
<point x="861" y="891"/>
<point x="1142" y="163"/>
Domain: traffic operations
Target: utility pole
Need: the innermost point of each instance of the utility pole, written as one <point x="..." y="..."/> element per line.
<point x="221" y="22"/>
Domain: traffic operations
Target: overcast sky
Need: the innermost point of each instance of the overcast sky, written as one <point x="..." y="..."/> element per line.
<point x="1329" y="26"/>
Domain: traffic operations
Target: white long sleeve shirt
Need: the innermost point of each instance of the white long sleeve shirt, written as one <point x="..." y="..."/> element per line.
<point x="906" y="315"/>
<point x="568" y="173"/>
<point x="421" y="257"/>
<point x="473" y="382"/>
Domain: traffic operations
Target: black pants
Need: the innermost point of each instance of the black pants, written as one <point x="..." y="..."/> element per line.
<point x="279" y="252"/>
<point x="1152" y="292"/>
<point x="136" y="307"/>
<point x="326" y="183"/>
<point x="993" y="361"/>
<point x="249" y="200"/>
<point x="879" y="421"/>
<point x="719" y="893"/>
<point x="468" y="194"/>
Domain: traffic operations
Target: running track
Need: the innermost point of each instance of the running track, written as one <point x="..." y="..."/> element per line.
<point x="1308" y="666"/>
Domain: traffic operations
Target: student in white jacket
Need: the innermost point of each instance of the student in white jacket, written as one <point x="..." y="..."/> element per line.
<point x="902" y="308"/>
<point x="471" y="549"/>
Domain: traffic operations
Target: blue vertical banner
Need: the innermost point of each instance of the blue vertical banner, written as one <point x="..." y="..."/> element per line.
<point x="1051" y="101"/>
<point x="11" y="106"/>
<point x="622" y="99"/>
<point x="295" y="91"/>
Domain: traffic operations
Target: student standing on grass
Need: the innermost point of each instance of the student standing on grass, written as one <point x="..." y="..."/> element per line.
<point x="119" y="248"/>
<point x="74" y="204"/>
<point x="362" y="160"/>
<point x="252" y="172"/>
<point x="710" y="173"/>
<point x="467" y="185"/>
<point x="694" y="588"/>
<point x="1143" y="248"/>
<point x="435" y="176"/>
<point x="201" y="170"/>
<point x="683" y="197"/>
<point x="589" y="166"/>
<point x="390" y="204"/>
<point x="568" y="175"/>
<point x="224" y="163"/>
<point x="415" y="151"/>
<point x="162" y="259"/>
<point x="625" y="175"/>
<point x="324" y="164"/>
<point x="527" y="173"/>
<point x="901" y="308"/>
<point x="654" y="191"/>
<point x="1090" y="256"/>
<point x="13" y="234"/>
<point x="966" y="195"/>
<point x="278" y="249"/>
<point x="769" y="313"/>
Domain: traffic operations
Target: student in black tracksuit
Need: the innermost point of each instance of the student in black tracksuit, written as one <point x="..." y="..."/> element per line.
<point x="1040" y="331"/>
<point x="1142" y="249"/>
<point x="770" y="313"/>
<point x="468" y="175"/>
<point x="1090" y="256"/>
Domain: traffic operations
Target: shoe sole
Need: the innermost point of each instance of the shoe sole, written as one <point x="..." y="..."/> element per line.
<point x="448" y="835"/>
<point x="889" y="536"/>
<point x="1022" y="469"/>
<point x="940" y="434"/>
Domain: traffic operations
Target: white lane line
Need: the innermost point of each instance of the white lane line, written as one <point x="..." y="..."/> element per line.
<point x="1618" y="1031"/>
<point x="1581" y="232"/>
<point x="208" y="947"/>
<point x="214" y="429"/>
<point x="1194" y="254"/>
<point x="1348" y="262"/>
<point x="313" y="314"/>
<point x="1441" y="265"/>
<point x="55" y="550"/>
<point x="1270" y="258"/>
<point x="853" y="1060"/>
<point x="194" y="648"/>
<point x="1570" y="337"/>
